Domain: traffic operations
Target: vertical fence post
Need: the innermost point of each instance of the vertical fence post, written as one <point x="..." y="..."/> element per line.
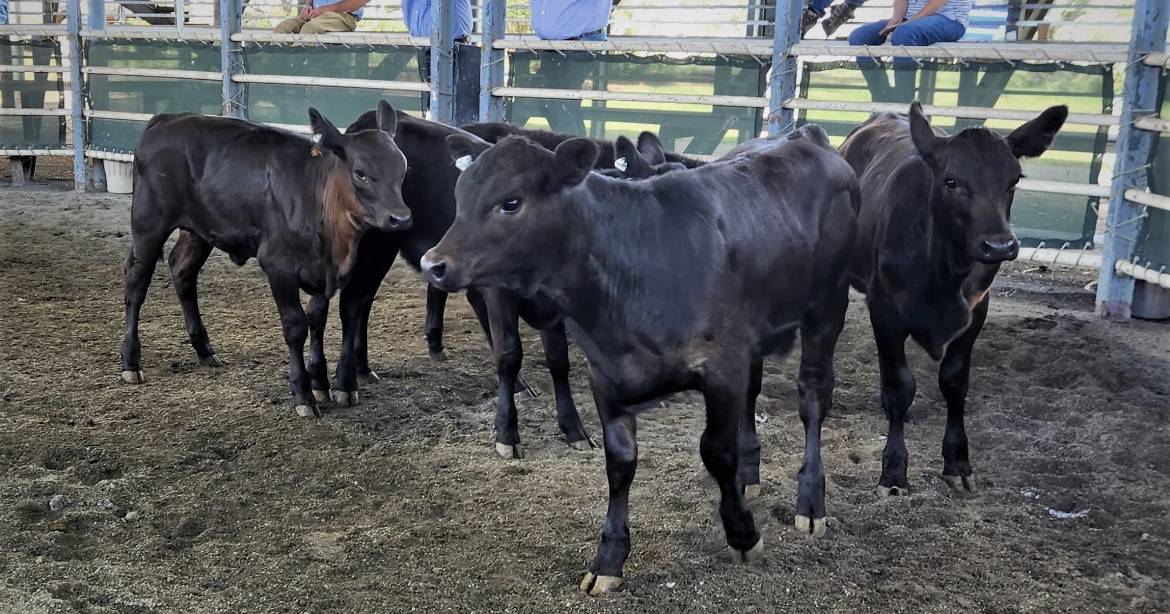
<point x="180" y="15"/>
<point x="231" y="59"/>
<point x="782" y="85"/>
<point x="443" y="61"/>
<point x="76" y="99"/>
<point x="493" y="15"/>
<point x="1134" y="147"/>
<point x="96" y="21"/>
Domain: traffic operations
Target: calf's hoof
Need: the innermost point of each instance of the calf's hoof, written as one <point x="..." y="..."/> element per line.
<point x="134" y="377"/>
<point x="892" y="491"/>
<point x="596" y="585"/>
<point x="308" y="411"/>
<point x="583" y="445"/>
<point x="368" y="378"/>
<point x="508" y="451"/>
<point x="751" y="491"/>
<point x="344" y="398"/>
<point x="321" y="395"/>
<point x="813" y="527"/>
<point x="439" y="355"/>
<point x="751" y="555"/>
<point x="960" y="483"/>
<point x="210" y="361"/>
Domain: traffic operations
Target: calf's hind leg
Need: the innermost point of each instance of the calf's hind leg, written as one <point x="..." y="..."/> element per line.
<point x="318" y="314"/>
<point x="726" y="401"/>
<point x="147" y="245"/>
<point x="818" y="338"/>
<point x="953" y="376"/>
<point x="749" y="441"/>
<point x="185" y="261"/>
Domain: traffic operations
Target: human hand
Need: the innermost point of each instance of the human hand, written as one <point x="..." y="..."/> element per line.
<point x="891" y="24"/>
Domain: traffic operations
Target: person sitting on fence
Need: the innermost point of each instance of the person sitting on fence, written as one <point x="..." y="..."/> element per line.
<point x="320" y="16"/>
<point x="567" y="20"/>
<point x="3" y="12"/>
<point x="839" y="15"/>
<point x="915" y="23"/>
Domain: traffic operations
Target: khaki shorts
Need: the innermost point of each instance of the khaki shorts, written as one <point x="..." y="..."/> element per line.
<point x="326" y="22"/>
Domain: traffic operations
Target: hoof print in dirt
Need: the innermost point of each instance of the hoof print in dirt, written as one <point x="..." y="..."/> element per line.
<point x="960" y="484"/>
<point x="344" y="398"/>
<point x="596" y="585"/>
<point x="812" y="527"/>
<point x="892" y="491"/>
<point x="747" y="557"/>
<point x="509" y="452"/>
<point x="134" y="377"/>
<point x="308" y="411"/>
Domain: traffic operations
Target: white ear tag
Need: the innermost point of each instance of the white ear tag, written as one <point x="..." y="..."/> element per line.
<point x="462" y="162"/>
<point x="316" y="138"/>
<point x="621" y="164"/>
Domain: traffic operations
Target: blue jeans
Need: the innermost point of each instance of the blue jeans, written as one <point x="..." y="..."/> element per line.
<point x="819" y="6"/>
<point x="917" y="33"/>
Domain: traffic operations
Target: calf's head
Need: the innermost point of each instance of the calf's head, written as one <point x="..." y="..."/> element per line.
<point x="642" y="161"/>
<point x="974" y="179"/>
<point x="374" y="169"/>
<point x="512" y="227"/>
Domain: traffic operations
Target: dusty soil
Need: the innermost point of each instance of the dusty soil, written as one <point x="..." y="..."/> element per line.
<point x="201" y="492"/>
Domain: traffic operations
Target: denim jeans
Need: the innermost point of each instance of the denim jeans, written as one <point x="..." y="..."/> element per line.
<point x="916" y="33"/>
<point x="568" y="72"/>
<point x="819" y="6"/>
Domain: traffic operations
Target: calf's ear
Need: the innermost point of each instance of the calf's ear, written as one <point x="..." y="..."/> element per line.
<point x="325" y="134"/>
<point x="925" y="141"/>
<point x="651" y="148"/>
<point x="625" y="155"/>
<point x="465" y="147"/>
<point x="387" y="118"/>
<point x="572" y="162"/>
<point x="1035" y="137"/>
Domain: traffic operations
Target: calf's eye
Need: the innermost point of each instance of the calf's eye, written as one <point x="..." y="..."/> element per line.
<point x="510" y="206"/>
<point x="950" y="183"/>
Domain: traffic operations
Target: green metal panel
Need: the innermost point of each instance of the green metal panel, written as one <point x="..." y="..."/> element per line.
<point x="31" y="91"/>
<point x="1075" y="156"/>
<point x="693" y="128"/>
<point x="1154" y="240"/>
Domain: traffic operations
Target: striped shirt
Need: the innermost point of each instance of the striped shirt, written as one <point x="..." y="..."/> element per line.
<point x="955" y="10"/>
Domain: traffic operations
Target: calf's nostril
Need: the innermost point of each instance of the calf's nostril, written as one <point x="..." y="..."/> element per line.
<point x="438" y="270"/>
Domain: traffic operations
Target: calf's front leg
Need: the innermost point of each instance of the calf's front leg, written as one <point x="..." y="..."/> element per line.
<point x="295" y="325"/>
<point x="953" y="375"/>
<point x="620" y="433"/>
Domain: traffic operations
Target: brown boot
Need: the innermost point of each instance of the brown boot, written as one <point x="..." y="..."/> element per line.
<point x="807" y="21"/>
<point x="839" y="14"/>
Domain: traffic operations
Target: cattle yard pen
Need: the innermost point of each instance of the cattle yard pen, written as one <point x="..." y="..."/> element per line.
<point x="702" y="94"/>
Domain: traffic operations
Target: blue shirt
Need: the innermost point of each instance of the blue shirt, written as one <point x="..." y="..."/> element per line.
<point x="417" y="15"/>
<point x="3" y="12"/>
<point x="323" y="3"/>
<point x="565" y="19"/>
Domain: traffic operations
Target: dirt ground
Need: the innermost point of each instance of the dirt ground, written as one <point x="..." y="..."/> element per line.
<point x="200" y="491"/>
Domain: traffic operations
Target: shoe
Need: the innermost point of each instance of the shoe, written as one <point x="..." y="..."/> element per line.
<point x="807" y="21"/>
<point x="839" y="15"/>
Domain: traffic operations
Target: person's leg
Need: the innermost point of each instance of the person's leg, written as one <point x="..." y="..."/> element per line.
<point x="819" y="6"/>
<point x="292" y="25"/>
<point x="874" y="74"/>
<point x="919" y="33"/>
<point x="839" y="15"/>
<point x="330" y="22"/>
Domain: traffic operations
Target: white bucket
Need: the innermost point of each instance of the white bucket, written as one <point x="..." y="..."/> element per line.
<point x="119" y="176"/>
